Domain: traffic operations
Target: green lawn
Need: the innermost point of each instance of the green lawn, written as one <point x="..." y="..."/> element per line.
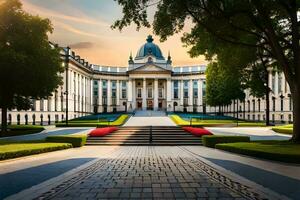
<point x="10" y="149"/>
<point x="286" y="129"/>
<point x="211" y="122"/>
<point x="284" y="151"/>
<point x="15" y="130"/>
<point x="94" y="123"/>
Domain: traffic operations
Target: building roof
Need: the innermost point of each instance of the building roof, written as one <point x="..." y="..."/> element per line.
<point x="149" y="48"/>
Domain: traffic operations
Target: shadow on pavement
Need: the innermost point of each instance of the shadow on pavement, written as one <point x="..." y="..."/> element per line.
<point x="14" y="182"/>
<point x="276" y="182"/>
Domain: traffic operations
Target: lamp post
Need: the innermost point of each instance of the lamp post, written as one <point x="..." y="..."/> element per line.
<point x="67" y="83"/>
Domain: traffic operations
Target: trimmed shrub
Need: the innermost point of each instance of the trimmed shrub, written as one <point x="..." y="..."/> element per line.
<point x="9" y="150"/>
<point x="211" y="141"/>
<point x="287" y="129"/>
<point x="273" y="150"/>
<point x="100" y="132"/>
<point x="75" y="140"/>
<point x="197" y="131"/>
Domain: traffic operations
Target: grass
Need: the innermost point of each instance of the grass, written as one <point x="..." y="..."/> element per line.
<point x="286" y="129"/>
<point x="10" y="149"/>
<point x="213" y="140"/>
<point x="211" y="122"/>
<point x="94" y="123"/>
<point x="15" y="130"/>
<point x="284" y="151"/>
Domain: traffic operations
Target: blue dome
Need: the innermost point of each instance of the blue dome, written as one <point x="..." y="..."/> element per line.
<point x="149" y="48"/>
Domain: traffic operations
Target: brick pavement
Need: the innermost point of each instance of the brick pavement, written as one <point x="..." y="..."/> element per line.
<point x="150" y="173"/>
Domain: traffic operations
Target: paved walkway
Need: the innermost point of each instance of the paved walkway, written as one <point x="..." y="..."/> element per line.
<point x="149" y="118"/>
<point x="255" y="133"/>
<point x="147" y="172"/>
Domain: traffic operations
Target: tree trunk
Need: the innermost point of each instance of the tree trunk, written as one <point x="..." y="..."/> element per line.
<point x="296" y="114"/>
<point x="4" y="119"/>
<point x="267" y="100"/>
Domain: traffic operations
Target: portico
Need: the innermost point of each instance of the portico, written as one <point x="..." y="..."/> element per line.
<point x="149" y="88"/>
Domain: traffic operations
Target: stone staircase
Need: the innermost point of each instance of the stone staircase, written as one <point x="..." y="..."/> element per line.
<point x="141" y="135"/>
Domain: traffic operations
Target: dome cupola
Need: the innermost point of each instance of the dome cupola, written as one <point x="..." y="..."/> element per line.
<point x="149" y="49"/>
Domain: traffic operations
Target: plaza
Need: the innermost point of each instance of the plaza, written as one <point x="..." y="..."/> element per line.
<point x="206" y="109"/>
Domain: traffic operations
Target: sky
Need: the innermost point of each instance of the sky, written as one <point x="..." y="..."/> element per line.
<point x="84" y="25"/>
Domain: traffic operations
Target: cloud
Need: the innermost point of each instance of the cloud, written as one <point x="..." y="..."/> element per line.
<point x="53" y="14"/>
<point x="75" y="30"/>
<point x="82" y="45"/>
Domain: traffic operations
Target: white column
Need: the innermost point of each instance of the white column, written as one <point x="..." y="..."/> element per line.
<point x="155" y="94"/>
<point x="109" y="95"/>
<point x="169" y="95"/>
<point x="99" y="103"/>
<point x="118" y="93"/>
<point x="129" y="91"/>
<point x="91" y="95"/>
<point x="133" y="95"/>
<point x="181" y="91"/>
<point x="191" y="92"/>
<point x="276" y="84"/>
<point x="199" y="102"/>
<point x="144" y="94"/>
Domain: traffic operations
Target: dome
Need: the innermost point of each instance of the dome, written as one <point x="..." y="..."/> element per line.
<point x="149" y="48"/>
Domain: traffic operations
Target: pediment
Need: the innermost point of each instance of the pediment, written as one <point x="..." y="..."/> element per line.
<point x="150" y="68"/>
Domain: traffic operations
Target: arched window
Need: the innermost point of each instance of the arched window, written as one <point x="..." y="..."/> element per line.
<point x="33" y="119"/>
<point x="41" y="119"/>
<point x="26" y="119"/>
<point x="49" y="119"/>
<point x="18" y="119"/>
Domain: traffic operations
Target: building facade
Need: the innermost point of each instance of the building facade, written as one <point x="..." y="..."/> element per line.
<point x="149" y="82"/>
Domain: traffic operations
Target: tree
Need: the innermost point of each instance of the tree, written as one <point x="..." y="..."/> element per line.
<point x="269" y="26"/>
<point x="29" y="65"/>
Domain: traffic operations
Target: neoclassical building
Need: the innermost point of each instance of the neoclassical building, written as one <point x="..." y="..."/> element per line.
<point x="149" y="82"/>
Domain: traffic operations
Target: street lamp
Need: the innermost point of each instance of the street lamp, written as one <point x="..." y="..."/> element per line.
<point x="66" y="63"/>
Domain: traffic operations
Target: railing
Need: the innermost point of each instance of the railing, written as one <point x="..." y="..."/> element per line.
<point x="150" y="135"/>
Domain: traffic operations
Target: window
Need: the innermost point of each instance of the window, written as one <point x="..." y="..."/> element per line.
<point x="176" y="89"/>
<point x="114" y="84"/>
<point x="33" y="108"/>
<point x="279" y="83"/>
<point x="195" y="88"/>
<point x="185" y="88"/>
<point x="160" y="93"/>
<point x="258" y="105"/>
<point x="253" y="101"/>
<point x="139" y="92"/>
<point x="248" y="106"/>
<point x="42" y="105"/>
<point x="274" y="103"/>
<point x="124" y="93"/>
<point x="203" y="88"/>
<point x="113" y="93"/>
<point x="149" y="91"/>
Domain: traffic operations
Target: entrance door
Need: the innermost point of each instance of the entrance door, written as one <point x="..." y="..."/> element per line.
<point x="149" y="105"/>
<point x="139" y="105"/>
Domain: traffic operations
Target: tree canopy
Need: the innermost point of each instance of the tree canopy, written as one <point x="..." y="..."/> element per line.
<point x="268" y="29"/>
<point x="29" y="66"/>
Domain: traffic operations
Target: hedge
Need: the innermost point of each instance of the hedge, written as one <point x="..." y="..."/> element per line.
<point x="75" y="140"/>
<point x="211" y="141"/>
<point x="287" y="129"/>
<point x="15" y="130"/>
<point x="10" y="150"/>
<point x="283" y="151"/>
